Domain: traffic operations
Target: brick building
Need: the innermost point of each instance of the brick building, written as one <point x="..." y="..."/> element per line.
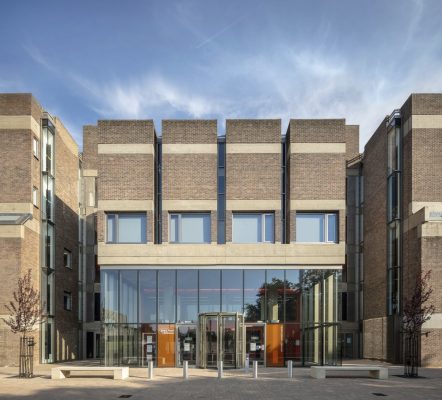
<point x="39" y="223"/>
<point x="201" y="246"/>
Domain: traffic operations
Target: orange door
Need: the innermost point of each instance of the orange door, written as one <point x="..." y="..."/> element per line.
<point x="274" y="345"/>
<point x="166" y="345"/>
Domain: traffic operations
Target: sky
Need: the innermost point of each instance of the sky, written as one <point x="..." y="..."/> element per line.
<point x="132" y="59"/>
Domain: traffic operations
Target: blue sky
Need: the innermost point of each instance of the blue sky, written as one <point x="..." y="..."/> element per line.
<point x="89" y="60"/>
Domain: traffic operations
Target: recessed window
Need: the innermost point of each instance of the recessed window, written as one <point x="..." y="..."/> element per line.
<point x="253" y="228"/>
<point x="189" y="228"/>
<point x="67" y="257"/>
<point x="317" y="227"/>
<point x="126" y="228"/>
<point x="35" y="196"/>
<point x="67" y="301"/>
<point x="35" y="147"/>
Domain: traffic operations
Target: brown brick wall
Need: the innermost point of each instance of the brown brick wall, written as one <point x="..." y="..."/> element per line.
<point x="66" y="237"/>
<point x="16" y="161"/>
<point x="126" y="131"/>
<point x="90" y="147"/>
<point x="317" y="131"/>
<point x="426" y="177"/>
<point x="352" y="141"/>
<point x="253" y="131"/>
<point x="189" y="131"/>
<point x="375" y="209"/>
<point x="20" y="104"/>
<point x="253" y="176"/>
<point x="189" y="176"/>
<point x="317" y="176"/>
<point x="426" y="103"/>
<point x="125" y="177"/>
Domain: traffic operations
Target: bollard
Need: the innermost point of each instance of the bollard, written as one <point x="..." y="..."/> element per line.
<point x="150" y="370"/>
<point x="255" y="369"/>
<point x="186" y="370"/>
<point x="220" y="369"/>
<point x="290" y="368"/>
<point x="247" y="364"/>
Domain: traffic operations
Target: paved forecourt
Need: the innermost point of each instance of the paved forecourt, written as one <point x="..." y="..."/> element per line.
<point x="204" y="384"/>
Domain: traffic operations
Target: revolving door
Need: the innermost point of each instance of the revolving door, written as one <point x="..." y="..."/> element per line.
<point x="221" y="338"/>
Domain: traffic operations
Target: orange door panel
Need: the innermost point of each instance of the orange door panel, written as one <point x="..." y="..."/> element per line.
<point x="166" y="345"/>
<point x="274" y="345"/>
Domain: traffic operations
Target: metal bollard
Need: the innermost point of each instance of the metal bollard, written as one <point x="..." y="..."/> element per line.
<point x="290" y="368"/>
<point x="247" y="366"/>
<point x="150" y="370"/>
<point x="220" y="369"/>
<point x="255" y="369"/>
<point x="186" y="370"/>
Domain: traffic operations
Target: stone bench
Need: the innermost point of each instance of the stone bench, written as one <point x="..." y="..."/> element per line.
<point x="373" y="370"/>
<point x="65" y="371"/>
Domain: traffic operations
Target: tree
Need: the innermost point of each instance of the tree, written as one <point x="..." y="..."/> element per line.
<point x="417" y="310"/>
<point x="25" y="313"/>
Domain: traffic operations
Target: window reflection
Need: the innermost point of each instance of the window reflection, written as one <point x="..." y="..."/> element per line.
<point x="187" y="295"/>
<point x="254" y="295"/>
<point x="209" y="293"/>
<point x="232" y="290"/>
<point x="166" y="296"/>
<point x="148" y="296"/>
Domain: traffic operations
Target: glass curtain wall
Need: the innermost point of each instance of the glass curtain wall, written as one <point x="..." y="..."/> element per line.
<point x="145" y="311"/>
<point x="47" y="237"/>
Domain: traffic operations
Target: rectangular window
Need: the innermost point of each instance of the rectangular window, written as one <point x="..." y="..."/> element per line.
<point x="67" y="257"/>
<point x="67" y="301"/>
<point x="35" y="196"/>
<point x="189" y="228"/>
<point x="35" y="147"/>
<point x="317" y="227"/>
<point x="253" y="228"/>
<point x="126" y="228"/>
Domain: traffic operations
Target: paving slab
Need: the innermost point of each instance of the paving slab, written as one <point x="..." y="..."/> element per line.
<point x="272" y="383"/>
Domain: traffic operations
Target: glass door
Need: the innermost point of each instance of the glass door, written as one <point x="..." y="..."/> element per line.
<point x="228" y="341"/>
<point x="220" y="337"/>
<point x="255" y="343"/>
<point x="186" y="344"/>
<point x="211" y="341"/>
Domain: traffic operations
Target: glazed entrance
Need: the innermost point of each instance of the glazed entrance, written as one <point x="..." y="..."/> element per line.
<point x="221" y="338"/>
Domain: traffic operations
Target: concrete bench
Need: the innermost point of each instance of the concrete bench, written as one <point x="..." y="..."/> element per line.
<point x="373" y="370"/>
<point x="65" y="371"/>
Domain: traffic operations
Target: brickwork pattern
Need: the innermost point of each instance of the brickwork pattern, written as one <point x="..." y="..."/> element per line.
<point x="16" y="160"/>
<point x="66" y="237"/>
<point x="189" y="131"/>
<point x="90" y="147"/>
<point x="317" y="176"/>
<point x="351" y="141"/>
<point x="126" y="131"/>
<point x="125" y="177"/>
<point x="375" y="239"/>
<point x="317" y="131"/>
<point x="20" y="104"/>
<point x="253" y="177"/>
<point x="253" y="131"/>
<point x="189" y="177"/>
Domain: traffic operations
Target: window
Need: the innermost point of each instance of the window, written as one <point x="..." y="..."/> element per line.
<point x="67" y="256"/>
<point x="317" y="227"/>
<point x="35" y="147"/>
<point x="126" y="228"/>
<point x="67" y="301"/>
<point x="189" y="228"/>
<point x="35" y="196"/>
<point x="253" y="228"/>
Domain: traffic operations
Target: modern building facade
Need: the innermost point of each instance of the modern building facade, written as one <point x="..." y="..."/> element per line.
<point x="237" y="246"/>
<point x="219" y="247"/>
<point x="402" y="230"/>
<point x="39" y="223"/>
